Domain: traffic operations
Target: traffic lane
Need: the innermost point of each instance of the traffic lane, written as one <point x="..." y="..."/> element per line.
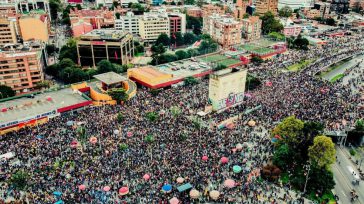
<point x="345" y="165"/>
<point x="342" y="188"/>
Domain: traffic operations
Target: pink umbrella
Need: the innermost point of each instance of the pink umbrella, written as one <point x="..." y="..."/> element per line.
<point x="229" y="183"/>
<point x="74" y="144"/>
<point x="93" y="140"/>
<point x="174" y="200"/>
<point x="123" y="190"/>
<point x="106" y="188"/>
<point x="224" y="160"/>
<point x="129" y="134"/>
<point x="233" y="149"/>
<point x="205" y="158"/>
<point x="268" y="83"/>
<point x="82" y="187"/>
<point x="146" y="177"/>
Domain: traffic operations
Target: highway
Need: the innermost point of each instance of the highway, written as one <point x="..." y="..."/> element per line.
<point x="343" y="178"/>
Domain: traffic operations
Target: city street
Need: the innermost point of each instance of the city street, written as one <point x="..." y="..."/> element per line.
<point x="343" y="178"/>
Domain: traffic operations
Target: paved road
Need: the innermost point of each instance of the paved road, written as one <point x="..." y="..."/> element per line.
<point x="342" y="68"/>
<point x="343" y="178"/>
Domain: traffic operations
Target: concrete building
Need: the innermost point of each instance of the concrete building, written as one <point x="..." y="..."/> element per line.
<point x="7" y="32"/>
<point x="34" y="27"/>
<point x="107" y="3"/>
<point x="21" y="69"/>
<point x="356" y="3"/>
<point x="129" y="23"/>
<point x="194" y="12"/>
<point x="25" y="6"/>
<point x="224" y="29"/>
<point x="240" y="9"/>
<point x="102" y="18"/>
<point x="177" y="22"/>
<point x="323" y="7"/>
<point x="263" y="6"/>
<point x="79" y="28"/>
<point x="114" y="45"/>
<point x="313" y="13"/>
<point x="252" y="28"/>
<point x="209" y="9"/>
<point x="152" y="24"/>
<point x="340" y="6"/>
<point x="295" y="4"/>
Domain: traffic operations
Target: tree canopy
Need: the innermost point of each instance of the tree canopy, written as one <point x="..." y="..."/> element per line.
<point x="322" y="152"/>
<point x="6" y="92"/>
<point x="163" y="39"/>
<point x="270" y="24"/>
<point x="289" y="130"/>
<point x="286" y="11"/>
<point x="118" y="94"/>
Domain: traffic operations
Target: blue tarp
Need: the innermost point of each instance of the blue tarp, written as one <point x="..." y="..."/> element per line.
<point x="57" y="193"/>
<point x="184" y="187"/>
<point x="167" y="188"/>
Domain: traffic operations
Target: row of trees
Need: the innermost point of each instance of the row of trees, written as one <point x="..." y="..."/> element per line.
<point x="301" y="150"/>
<point x="177" y="39"/>
<point x="159" y="56"/>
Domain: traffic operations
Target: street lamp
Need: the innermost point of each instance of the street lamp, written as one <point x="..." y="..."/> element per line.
<point x="308" y="168"/>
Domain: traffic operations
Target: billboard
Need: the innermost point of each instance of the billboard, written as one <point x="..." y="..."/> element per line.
<point x="226" y="88"/>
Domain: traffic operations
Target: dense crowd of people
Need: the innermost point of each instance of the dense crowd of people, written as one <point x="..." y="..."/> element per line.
<point x="178" y="148"/>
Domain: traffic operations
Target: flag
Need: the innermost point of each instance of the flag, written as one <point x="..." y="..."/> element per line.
<point x="116" y="55"/>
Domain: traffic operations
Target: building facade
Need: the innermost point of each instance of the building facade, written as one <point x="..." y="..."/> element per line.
<point x="323" y="8"/>
<point x="177" y="22"/>
<point x="152" y="24"/>
<point x="224" y="29"/>
<point x="252" y="28"/>
<point x="25" y="6"/>
<point x="7" y="32"/>
<point x="21" y="70"/>
<point x="295" y="4"/>
<point x="263" y="6"/>
<point x="210" y="9"/>
<point x="240" y="9"/>
<point x="129" y="23"/>
<point x="113" y="45"/>
<point x="194" y="12"/>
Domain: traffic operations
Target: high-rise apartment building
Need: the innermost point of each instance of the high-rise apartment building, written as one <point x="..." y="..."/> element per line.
<point x="252" y="28"/>
<point x="177" y="22"/>
<point x="129" y="23"/>
<point x="114" y="45"/>
<point x="21" y="70"/>
<point x="152" y="24"/>
<point x="224" y="29"/>
<point x="263" y="6"/>
<point x="7" y="31"/>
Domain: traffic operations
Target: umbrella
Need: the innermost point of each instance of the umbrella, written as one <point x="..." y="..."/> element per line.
<point x="245" y="144"/>
<point x="180" y="180"/>
<point x="205" y="158"/>
<point x="106" y="188"/>
<point x="123" y="190"/>
<point x="229" y="183"/>
<point x="74" y="144"/>
<point x="236" y="169"/>
<point x="57" y="193"/>
<point x="239" y="146"/>
<point x="129" y="134"/>
<point x="59" y="202"/>
<point x="167" y="188"/>
<point x="93" y="140"/>
<point x="194" y="193"/>
<point x="69" y="123"/>
<point x="82" y="187"/>
<point x="224" y="160"/>
<point x="214" y="194"/>
<point x="274" y="140"/>
<point x="268" y="83"/>
<point x="174" y="200"/>
<point x="146" y="177"/>
<point x="116" y="132"/>
<point x="251" y="123"/>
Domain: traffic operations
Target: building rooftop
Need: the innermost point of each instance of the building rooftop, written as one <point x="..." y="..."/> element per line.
<point x="105" y="34"/>
<point x="110" y="78"/>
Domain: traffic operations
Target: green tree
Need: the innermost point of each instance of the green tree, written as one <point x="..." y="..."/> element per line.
<point x="246" y="15"/>
<point x="190" y="81"/>
<point x="152" y="116"/>
<point x="252" y="82"/>
<point x="322" y="152"/>
<point x="256" y="60"/>
<point x="301" y="43"/>
<point x="43" y="84"/>
<point x="320" y="180"/>
<point x="149" y="139"/>
<point x="359" y="125"/>
<point x="6" y="92"/>
<point x="105" y="66"/>
<point x="330" y="21"/>
<point x="117" y="15"/>
<point x="69" y="51"/>
<point x="120" y="117"/>
<point x="79" y="7"/>
<point x="181" y="54"/>
<point x="163" y="39"/>
<point x="219" y="67"/>
<point x="283" y="157"/>
<point x="66" y="62"/>
<point x="194" y="23"/>
<point x="123" y="147"/>
<point x="51" y="49"/>
<point x="286" y="11"/>
<point x="189" y="2"/>
<point x="118" y="94"/>
<point x="54" y="7"/>
<point x="189" y="38"/>
<point x="289" y="130"/>
<point x="19" y="180"/>
<point x="72" y="75"/>
<point x="158" y="49"/>
<point x="176" y="111"/>
<point x="276" y="36"/>
<point x="270" y="24"/>
<point x="173" y="3"/>
<point x="177" y="39"/>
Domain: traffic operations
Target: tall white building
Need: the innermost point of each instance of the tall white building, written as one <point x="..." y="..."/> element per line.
<point x="295" y="4"/>
<point x="152" y="24"/>
<point x="129" y="23"/>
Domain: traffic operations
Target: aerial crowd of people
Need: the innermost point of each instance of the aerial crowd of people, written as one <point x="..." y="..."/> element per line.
<point x="64" y="166"/>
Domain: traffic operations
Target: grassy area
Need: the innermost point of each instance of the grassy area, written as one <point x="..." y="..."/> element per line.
<point x="284" y="178"/>
<point x="228" y="62"/>
<point x="139" y="54"/>
<point x="212" y="58"/>
<point x="254" y="48"/>
<point x="298" y="66"/>
<point x="336" y="78"/>
<point x="326" y="197"/>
